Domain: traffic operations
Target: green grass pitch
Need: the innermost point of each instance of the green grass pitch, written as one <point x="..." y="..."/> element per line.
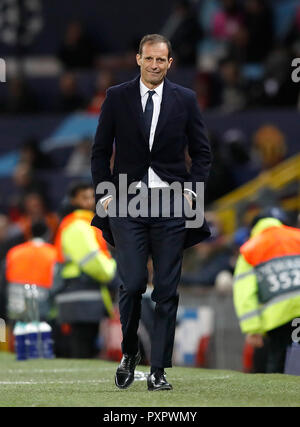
<point x="84" y="383"/>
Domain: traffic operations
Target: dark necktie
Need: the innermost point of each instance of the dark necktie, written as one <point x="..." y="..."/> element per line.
<point x="148" y="113"/>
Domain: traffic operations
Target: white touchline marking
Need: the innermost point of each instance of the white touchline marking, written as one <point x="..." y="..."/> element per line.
<point x="21" y="371"/>
<point x="217" y="378"/>
<point x="52" y="382"/>
<point x="206" y="378"/>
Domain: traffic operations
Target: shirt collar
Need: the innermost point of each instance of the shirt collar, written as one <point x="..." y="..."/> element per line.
<point x="158" y="90"/>
<point x="38" y="241"/>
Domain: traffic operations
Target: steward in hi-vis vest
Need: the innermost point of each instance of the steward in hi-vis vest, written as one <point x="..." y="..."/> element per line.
<point x="267" y="287"/>
<point x="86" y="267"/>
<point x="86" y="270"/>
<point x="31" y="263"/>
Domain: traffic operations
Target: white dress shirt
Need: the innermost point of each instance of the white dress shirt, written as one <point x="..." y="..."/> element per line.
<point x="153" y="179"/>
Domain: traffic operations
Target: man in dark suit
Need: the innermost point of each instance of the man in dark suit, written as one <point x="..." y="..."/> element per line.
<point x="151" y="121"/>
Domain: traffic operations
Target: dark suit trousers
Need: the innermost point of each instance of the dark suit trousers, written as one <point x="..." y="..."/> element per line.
<point x="135" y="239"/>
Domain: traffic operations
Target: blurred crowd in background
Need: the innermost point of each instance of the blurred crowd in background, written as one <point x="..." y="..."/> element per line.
<point x="239" y="53"/>
<point x="235" y="54"/>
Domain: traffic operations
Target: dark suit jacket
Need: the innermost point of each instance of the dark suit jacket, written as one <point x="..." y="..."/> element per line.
<point x="179" y="125"/>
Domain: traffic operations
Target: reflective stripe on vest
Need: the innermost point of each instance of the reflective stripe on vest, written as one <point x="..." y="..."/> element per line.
<point x="88" y="257"/>
<point x="250" y="314"/>
<point x="243" y="275"/>
<point x="273" y="301"/>
<point x="78" y="296"/>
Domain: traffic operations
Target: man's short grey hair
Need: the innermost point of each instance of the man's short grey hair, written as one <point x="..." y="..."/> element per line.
<point x="155" y="38"/>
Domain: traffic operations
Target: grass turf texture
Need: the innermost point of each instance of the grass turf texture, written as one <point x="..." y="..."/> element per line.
<point x="64" y="382"/>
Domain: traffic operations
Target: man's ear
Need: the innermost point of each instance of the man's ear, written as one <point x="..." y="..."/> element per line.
<point x="138" y="59"/>
<point x="170" y="63"/>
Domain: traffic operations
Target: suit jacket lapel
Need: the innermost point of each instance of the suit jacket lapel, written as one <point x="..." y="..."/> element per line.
<point x="133" y="96"/>
<point x="167" y="103"/>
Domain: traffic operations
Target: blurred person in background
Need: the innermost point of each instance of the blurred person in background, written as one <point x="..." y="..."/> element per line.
<point x="252" y="40"/>
<point x="232" y="91"/>
<point x="104" y="80"/>
<point x="32" y="262"/>
<point x="208" y="86"/>
<point x="210" y="258"/>
<point x="202" y="87"/>
<point x="32" y="155"/>
<point x="227" y="20"/>
<point x="241" y="166"/>
<point x="270" y="145"/>
<point x="220" y="182"/>
<point x="20" y="98"/>
<point x="10" y="236"/>
<point x="258" y="21"/>
<point x="184" y="33"/>
<point x="79" y="163"/>
<point x="23" y="181"/>
<point x="277" y="88"/>
<point x="86" y="268"/>
<point x="77" y="50"/>
<point x="267" y="285"/>
<point x="70" y="98"/>
<point x="25" y="175"/>
<point x="34" y="209"/>
<point x="292" y="38"/>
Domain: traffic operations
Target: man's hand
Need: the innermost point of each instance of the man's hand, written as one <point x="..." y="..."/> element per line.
<point x="189" y="199"/>
<point x="255" y="340"/>
<point x="106" y="203"/>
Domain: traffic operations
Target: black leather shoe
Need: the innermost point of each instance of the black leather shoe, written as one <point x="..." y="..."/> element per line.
<point x="125" y="372"/>
<point x="158" y="382"/>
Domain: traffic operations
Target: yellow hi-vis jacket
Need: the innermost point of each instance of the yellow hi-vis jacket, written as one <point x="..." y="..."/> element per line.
<point x="84" y="254"/>
<point x="266" y="289"/>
